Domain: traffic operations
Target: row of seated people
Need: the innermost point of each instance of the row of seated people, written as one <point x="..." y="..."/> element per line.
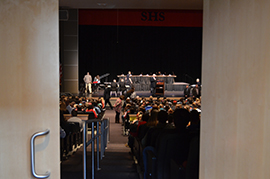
<point x="134" y="105"/>
<point x="165" y="139"/>
<point x="82" y="105"/>
<point x="71" y="128"/>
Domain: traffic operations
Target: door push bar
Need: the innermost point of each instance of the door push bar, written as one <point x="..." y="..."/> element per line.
<point x="32" y="146"/>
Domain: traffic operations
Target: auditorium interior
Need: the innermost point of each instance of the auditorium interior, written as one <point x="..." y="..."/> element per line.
<point x="55" y="128"/>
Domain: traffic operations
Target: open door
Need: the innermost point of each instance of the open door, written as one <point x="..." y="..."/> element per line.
<point x="29" y="92"/>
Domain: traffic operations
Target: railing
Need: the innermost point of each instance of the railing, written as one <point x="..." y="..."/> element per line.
<point x="101" y="132"/>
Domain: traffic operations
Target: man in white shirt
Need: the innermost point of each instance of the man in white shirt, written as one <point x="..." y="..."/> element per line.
<point x="88" y="81"/>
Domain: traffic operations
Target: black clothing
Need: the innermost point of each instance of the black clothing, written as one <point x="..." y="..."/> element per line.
<point x="117" y="117"/>
<point x="187" y="92"/>
<point x="122" y="87"/>
<point x="153" y="85"/>
<point x="153" y="82"/>
<point x="114" y="86"/>
<point x="107" y="97"/>
<point x="196" y="92"/>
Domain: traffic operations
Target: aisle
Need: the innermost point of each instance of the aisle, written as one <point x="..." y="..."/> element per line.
<point x="117" y="163"/>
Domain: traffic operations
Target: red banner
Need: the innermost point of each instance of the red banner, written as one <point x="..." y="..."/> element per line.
<point x="168" y="18"/>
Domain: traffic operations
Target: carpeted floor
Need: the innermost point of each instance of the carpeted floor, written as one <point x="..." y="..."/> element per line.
<point x="117" y="163"/>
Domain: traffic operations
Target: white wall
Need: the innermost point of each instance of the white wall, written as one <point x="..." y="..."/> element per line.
<point x="29" y="92"/>
<point x="235" y="128"/>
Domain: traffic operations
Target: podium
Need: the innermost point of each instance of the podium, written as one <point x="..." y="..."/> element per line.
<point x="160" y="88"/>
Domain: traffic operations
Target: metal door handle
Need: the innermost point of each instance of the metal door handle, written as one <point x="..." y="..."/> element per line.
<point x="32" y="146"/>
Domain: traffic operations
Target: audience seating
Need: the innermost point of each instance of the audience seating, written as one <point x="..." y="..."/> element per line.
<point x="175" y="157"/>
<point x="74" y="138"/>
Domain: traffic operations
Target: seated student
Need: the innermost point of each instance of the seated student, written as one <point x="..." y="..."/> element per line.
<point x="75" y="119"/>
<point x="129" y="92"/>
<point x="153" y="133"/>
<point x="97" y="109"/>
<point x="135" y="123"/>
<point x="64" y="124"/>
<point x="142" y="118"/>
<point x="140" y="129"/>
<point x="79" y="107"/>
<point x="133" y="108"/>
<point x="90" y="110"/>
<point x="152" y="122"/>
<point x="101" y="100"/>
<point x="125" y="116"/>
<point x="173" y="107"/>
<point x="62" y="133"/>
<point x="148" y="106"/>
<point x="181" y="118"/>
<point x="63" y="105"/>
<point x="173" y="145"/>
<point x="70" y="107"/>
<point x="194" y="124"/>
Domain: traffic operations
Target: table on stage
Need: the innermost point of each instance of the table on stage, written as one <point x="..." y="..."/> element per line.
<point x="142" y="82"/>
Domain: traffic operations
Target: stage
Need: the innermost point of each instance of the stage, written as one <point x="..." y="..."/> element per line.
<point x="176" y="90"/>
<point x="100" y="93"/>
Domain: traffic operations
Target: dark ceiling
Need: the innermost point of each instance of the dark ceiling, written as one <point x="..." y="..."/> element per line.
<point x="131" y="4"/>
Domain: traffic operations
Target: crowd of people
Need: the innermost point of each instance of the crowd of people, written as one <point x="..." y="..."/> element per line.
<point x="157" y="120"/>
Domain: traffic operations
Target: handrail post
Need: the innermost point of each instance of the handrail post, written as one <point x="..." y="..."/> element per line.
<point x="84" y="149"/>
<point x="98" y="146"/>
<point x="102" y="139"/>
<point x="93" y="151"/>
<point x="109" y="133"/>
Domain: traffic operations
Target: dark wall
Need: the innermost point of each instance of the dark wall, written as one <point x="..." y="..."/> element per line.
<point x="118" y="49"/>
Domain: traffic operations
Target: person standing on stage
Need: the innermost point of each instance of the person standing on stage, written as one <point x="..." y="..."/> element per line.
<point x="186" y="92"/>
<point x="196" y="92"/>
<point x="96" y="83"/>
<point x="198" y="82"/>
<point x="88" y="81"/>
<point x="153" y="82"/>
<point x="128" y="79"/>
<point x="122" y="87"/>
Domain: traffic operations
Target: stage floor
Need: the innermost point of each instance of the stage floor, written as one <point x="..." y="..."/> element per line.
<point x="100" y="93"/>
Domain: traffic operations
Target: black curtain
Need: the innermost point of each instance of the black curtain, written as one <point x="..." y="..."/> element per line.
<point x="119" y="49"/>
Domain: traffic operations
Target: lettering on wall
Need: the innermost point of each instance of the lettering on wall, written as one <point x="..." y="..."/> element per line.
<point x="152" y="16"/>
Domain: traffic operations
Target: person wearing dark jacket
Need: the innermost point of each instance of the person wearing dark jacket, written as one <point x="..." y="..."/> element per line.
<point x="153" y="82"/>
<point x="107" y="96"/>
<point x="186" y="92"/>
<point x="122" y="87"/>
<point x="196" y="92"/>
